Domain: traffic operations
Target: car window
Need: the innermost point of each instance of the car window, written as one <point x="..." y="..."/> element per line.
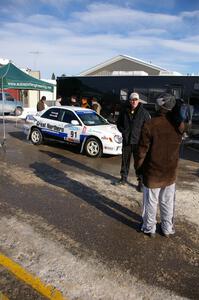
<point x="52" y="114"/>
<point x="68" y="116"/>
<point x="90" y="118"/>
<point x="9" y="97"/>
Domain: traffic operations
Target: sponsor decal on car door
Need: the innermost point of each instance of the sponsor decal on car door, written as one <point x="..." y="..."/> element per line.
<point x="52" y="129"/>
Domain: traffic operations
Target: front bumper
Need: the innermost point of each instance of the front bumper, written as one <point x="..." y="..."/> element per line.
<point x="113" y="149"/>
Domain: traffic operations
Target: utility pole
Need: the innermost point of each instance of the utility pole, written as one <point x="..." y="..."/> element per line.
<point x="35" y="55"/>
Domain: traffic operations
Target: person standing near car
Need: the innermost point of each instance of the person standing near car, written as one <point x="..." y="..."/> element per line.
<point x="73" y="101"/>
<point x="41" y="105"/>
<point x="130" y="121"/>
<point x="84" y="103"/>
<point x="157" y="160"/>
<point x="58" y="101"/>
<point x="95" y="105"/>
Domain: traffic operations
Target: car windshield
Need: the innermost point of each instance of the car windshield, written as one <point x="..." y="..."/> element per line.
<point x="90" y="118"/>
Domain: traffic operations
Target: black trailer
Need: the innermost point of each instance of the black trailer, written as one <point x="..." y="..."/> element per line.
<point x="112" y="91"/>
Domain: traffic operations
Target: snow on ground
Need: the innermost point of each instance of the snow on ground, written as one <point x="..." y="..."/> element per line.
<point x="40" y="252"/>
<point x="93" y="280"/>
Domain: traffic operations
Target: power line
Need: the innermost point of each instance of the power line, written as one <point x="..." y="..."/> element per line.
<point x="35" y="53"/>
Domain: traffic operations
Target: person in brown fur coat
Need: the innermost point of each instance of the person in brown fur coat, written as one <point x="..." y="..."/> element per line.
<point x="157" y="161"/>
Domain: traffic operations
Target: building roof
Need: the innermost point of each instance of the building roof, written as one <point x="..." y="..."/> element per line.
<point x="118" y="58"/>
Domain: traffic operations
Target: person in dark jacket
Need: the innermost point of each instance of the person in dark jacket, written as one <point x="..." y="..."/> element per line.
<point x="130" y="121"/>
<point x="157" y="160"/>
<point x="41" y="105"/>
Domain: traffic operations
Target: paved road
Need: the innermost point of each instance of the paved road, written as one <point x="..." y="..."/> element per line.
<point x="75" y="195"/>
<point x="13" y="288"/>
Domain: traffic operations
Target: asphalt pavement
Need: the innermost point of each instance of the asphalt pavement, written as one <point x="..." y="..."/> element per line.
<point x="103" y="227"/>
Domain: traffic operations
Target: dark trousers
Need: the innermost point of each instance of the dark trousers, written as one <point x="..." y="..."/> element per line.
<point x="127" y="151"/>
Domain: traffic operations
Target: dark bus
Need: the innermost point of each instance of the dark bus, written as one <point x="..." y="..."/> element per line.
<point x="112" y="91"/>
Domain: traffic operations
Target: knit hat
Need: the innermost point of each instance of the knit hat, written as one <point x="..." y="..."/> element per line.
<point x="166" y="101"/>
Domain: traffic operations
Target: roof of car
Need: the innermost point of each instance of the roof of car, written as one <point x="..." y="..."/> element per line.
<point x="72" y="108"/>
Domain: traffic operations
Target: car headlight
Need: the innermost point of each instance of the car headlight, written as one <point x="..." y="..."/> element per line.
<point x="118" y="139"/>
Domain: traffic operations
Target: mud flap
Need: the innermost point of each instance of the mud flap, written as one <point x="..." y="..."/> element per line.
<point x="82" y="146"/>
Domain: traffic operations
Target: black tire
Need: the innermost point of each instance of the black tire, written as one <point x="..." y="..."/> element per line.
<point x="93" y="147"/>
<point x="36" y="136"/>
<point x="18" y="111"/>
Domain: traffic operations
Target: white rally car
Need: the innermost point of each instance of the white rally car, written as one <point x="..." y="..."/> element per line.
<point x="75" y="125"/>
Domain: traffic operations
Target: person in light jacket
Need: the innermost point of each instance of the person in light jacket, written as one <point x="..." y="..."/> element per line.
<point x="95" y="105"/>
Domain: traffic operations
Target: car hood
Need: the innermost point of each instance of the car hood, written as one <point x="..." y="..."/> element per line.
<point x="32" y="117"/>
<point x="104" y="129"/>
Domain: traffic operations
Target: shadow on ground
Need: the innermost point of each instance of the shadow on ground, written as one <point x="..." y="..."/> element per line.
<point x="91" y="196"/>
<point x="169" y="263"/>
<point x="190" y="152"/>
<point x="73" y="163"/>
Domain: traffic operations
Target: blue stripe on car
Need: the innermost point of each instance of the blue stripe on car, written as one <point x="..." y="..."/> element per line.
<point x="80" y="112"/>
<point x="82" y="136"/>
<point x="54" y="133"/>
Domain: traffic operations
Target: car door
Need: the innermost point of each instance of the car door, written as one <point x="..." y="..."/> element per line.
<point x="72" y="131"/>
<point x="9" y="103"/>
<point x="5" y="107"/>
<point x="51" y="125"/>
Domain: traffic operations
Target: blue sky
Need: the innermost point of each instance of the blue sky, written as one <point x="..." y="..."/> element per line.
<point x="70" y="36"/>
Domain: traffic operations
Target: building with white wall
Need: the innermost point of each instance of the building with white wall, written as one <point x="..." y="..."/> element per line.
<point x="124" y="65"/>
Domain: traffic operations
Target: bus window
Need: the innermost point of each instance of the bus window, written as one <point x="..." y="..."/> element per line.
<point x="194" y="104"/>
<point x="194" y="107"/>
<point x="124" y="95"/>
<point x="177" y="92"/>
<point x="155" y="93"/>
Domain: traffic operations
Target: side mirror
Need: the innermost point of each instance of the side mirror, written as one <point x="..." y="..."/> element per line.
<point x="74" y="122"/>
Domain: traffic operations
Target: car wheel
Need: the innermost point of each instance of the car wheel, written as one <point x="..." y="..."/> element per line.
<point x="93" y="147"/>
<point x="36" y="136"/>
<point x="18" y="111"/>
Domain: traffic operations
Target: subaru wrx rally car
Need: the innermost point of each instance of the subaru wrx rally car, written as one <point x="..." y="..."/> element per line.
<point x="75" y="125"/>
